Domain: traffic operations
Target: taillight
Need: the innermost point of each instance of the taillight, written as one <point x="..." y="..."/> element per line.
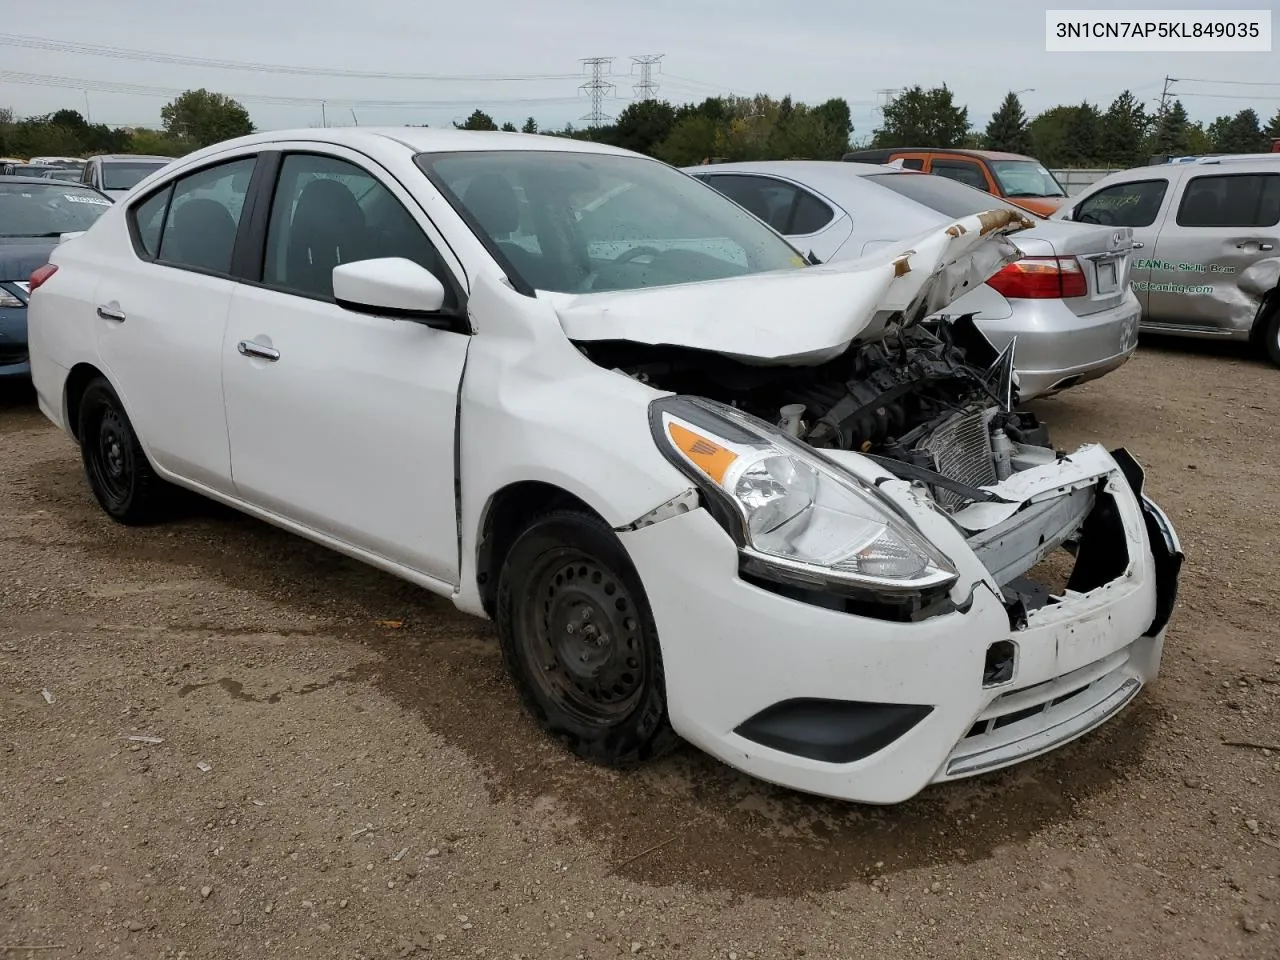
<point x="1041" y="278"/>
<point x="39" y="276"/>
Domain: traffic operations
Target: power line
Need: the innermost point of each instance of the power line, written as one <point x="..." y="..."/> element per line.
<point x="143" y="90"/>
<point x="1243" y="83"/>
<point x="150" y="56"/>
<point x="598" y="88"/>
<point x="646" y="89"/>
<point x="1225" y="96"/>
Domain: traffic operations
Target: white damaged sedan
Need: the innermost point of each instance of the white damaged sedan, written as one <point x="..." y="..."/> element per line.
<point x="706" y="489"/>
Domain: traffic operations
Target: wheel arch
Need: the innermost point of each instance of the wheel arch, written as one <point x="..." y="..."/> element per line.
<point x="508" y="512"/>
<point x="78" y="379"/>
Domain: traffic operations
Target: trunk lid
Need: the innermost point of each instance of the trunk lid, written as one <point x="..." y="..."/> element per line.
<point x="1105" y="255"/>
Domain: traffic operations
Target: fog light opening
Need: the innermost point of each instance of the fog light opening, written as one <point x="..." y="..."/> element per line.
<point x="1001" y="658"/>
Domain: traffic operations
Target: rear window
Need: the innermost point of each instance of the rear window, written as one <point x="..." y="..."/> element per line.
<point x="47" y="209"/>
<point x="949" y="197"/>
<point x="126" y="174"/>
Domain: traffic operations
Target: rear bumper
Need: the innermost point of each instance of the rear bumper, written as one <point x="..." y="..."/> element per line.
<point x="1058" y="349"/>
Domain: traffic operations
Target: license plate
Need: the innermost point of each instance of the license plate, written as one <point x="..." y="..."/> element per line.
<point x="1107" y="277"/>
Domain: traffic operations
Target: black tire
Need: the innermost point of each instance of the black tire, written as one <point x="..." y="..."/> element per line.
<point x="1270" y="328"/>
<point x="580" y="643"/>
<point x="121" y="477"/>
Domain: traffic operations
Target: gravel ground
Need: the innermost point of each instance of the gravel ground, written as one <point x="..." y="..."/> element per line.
<point x="341" y="768"/>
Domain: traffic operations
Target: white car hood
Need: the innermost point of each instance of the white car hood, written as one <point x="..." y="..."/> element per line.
<point x="803" y="316"/>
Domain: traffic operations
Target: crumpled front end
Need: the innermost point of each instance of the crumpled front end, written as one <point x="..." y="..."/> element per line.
<point x="837" y="698"/>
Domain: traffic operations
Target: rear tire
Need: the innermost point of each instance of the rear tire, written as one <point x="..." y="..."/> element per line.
<point x="580" y="643"/>
<point x="1270" y="327"/>
<point x="119" y="474"/>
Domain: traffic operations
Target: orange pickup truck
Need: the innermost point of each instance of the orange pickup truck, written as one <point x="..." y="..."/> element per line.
<point x="1020" y="180"/>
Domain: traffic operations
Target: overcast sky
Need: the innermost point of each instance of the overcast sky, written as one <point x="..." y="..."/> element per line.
<point x="813" y="50"/>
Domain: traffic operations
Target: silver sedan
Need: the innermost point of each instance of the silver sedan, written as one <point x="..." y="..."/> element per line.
<point x="1067" y="301"/>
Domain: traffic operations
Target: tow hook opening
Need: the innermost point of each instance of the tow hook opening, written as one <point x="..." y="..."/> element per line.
<point x="1002" y="657"/>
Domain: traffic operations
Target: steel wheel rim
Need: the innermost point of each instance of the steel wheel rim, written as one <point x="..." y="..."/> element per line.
<point x="111" y="456"/>
<point x="582" y="637"/>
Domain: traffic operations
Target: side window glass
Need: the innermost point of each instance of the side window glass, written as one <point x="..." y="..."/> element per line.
<point x="1269" y="205"/>
<point x="912" y="163"/>
<point x="328" y="212"/>
<point x="768" y="199"/>
<point x="967" y="173"/>
<point x="1125" y="204"/>
<point x="204" y="216"/>
<point x="148" y="218"/>
<point x="1228" y="200"/>
<point x="809" y="215"/>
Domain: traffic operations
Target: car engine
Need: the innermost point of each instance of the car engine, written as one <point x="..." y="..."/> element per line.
<point x="928" y="402"/>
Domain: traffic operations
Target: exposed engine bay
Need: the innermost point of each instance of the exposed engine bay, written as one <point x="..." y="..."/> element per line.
<point x="932" y="403"/>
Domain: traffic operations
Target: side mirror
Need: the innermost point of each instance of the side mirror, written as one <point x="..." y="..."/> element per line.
<point x="389" y="286"/>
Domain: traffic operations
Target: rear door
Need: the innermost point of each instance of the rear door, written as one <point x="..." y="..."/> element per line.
<point x="162" y="313"/>
<point x="1224" y="225"/>
<point x="811" y="222"/>
<point x="1142" y="206"/>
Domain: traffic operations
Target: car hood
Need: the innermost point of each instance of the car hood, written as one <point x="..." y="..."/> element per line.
<point x="20" y="255"/>
<point x="803" y="316"/>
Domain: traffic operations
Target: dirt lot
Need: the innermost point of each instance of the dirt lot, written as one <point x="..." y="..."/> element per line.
<point x="373" y="790"/>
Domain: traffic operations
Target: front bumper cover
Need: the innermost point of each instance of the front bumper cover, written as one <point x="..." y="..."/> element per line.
<point x="752" y="675"/>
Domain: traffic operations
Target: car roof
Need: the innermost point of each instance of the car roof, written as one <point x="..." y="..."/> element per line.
<point x="44" y="180"/>
<point x="416" y="139"/>
<point x="130" y="156"/>
<point x="821" y="175"/>
<point x="886" y="152"/>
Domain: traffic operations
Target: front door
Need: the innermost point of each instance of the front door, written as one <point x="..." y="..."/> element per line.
<point x="1225" y="223"/>
<point x="162" y="313"/>
<point x="341" y="421"/>
<point x="1140" y="205"/>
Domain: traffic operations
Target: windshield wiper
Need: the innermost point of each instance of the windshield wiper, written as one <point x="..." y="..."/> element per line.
<point x="23" y="236"/>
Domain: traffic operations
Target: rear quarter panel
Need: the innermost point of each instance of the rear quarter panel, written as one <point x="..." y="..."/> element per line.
<point x="60" y="327"/>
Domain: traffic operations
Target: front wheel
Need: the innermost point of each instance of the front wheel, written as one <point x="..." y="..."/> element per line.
<point x="580" y="643"/>
<point x="114" y="462"/>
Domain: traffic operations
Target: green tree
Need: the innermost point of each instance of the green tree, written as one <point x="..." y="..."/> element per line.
<point x="643" y="125"/>
<point x="1239" y="134"/>
<point x="204" y="118"/>
<point x="1007" y="129"/>
<point x="530" y="126"/>
<point x="1171" y="136"/>
<point x="1273" y="129"/>
<point x="925" y="118"/>
<point x="692" y="140"/>
<point x="509" y="127"/>
<point x="479" y="120"/>
<point x="157" y="143"/>
<point x="1124" y="133"/>
<point x="1084" y="136"/>
<point x="1048" y="132"/>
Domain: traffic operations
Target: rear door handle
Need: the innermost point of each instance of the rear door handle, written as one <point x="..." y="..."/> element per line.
<point x="1255" y="243"/>
<point x="1138" y="244"/>
<point x="111" y="313"/>
<point x="248" y="348"/>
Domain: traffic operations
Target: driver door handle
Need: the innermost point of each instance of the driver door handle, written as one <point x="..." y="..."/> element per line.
<point x="1138" y="244"/>
<point x="111" y="313"/>
<point x="248" y="348"/>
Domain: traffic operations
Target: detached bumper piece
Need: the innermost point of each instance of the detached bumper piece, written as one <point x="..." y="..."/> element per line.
<point x="831" y="731"/>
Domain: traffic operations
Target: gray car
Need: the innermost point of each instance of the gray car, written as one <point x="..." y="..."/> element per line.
<point x="117" y="174"/>
<point x="1209" y="232"/>
<point x="1067" y="301"/>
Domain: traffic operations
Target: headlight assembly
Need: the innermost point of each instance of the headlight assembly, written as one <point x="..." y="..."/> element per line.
<point x="796" y="517"/>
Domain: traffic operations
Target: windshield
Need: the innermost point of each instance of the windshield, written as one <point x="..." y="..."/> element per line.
<point x="37" y="210"/>
<point x="1025" y="178"/>
<point x="949" y="197"/>
<point x="571" y="222"/>
<point x="125" y="174"/>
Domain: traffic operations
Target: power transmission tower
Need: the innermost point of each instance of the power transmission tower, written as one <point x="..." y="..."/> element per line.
<point x="646" y="89"/>
<point x="598" y="88"/>
<point x="1164" y="95"/>
<point x="886" y="94"/>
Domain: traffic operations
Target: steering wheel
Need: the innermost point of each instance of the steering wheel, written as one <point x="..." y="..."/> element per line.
<point x="628" y="255"/>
